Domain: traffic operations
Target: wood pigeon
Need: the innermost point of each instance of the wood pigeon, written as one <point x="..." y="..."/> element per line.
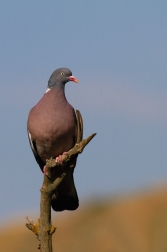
<point x="52" y="129"/>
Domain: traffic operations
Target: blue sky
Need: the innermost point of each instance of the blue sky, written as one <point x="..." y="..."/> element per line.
<point x="118" y="51"/>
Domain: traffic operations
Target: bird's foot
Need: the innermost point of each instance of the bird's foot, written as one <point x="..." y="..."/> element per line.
<point x="45" y="172"/>
<point x="59" y="158"/>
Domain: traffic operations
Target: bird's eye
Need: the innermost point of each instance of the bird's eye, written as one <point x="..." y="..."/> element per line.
<point x="61" y="73"/>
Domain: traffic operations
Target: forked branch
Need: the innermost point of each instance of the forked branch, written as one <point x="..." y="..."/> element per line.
<point x="55" y="175"/>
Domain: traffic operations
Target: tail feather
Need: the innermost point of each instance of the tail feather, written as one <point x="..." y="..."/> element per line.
<point x="65" y="197"/>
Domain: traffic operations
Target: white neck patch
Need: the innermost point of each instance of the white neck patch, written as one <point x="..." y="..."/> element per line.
<point x="47" y="90"/>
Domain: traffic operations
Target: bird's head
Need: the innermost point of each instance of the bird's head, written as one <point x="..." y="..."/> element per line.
<point x="60" y="77"/>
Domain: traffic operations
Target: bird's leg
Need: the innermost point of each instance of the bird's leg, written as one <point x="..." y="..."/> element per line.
<point x="59" y="158"/>
<point x="44" y="170"/>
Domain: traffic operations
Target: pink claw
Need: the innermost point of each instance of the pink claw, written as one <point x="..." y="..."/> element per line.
<point x="44" y="171"/>
<point x="59" y="158"/>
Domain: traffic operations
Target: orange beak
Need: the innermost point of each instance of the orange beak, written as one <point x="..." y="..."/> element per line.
<point x="72" y="78"/>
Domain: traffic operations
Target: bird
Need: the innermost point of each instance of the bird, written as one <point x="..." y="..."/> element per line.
<point x="52" y="130"/>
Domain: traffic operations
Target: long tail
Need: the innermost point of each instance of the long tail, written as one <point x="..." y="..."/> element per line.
<point x="65" y="197"/>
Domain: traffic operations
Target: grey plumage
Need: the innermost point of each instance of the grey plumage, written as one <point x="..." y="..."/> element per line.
<point x="52" y="127"/>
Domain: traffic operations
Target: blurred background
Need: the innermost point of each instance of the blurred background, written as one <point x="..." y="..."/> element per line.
<point x="118" y="51"/>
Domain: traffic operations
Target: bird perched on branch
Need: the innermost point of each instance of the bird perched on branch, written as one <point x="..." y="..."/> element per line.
<point x="52" y="129"/>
